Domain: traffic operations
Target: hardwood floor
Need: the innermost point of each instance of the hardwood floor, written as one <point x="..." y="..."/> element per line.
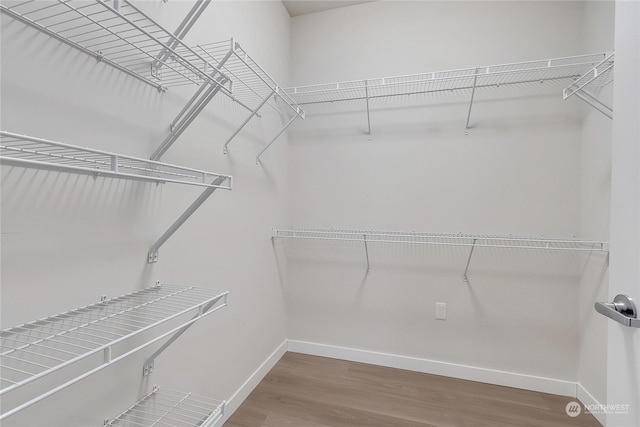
<point x="313" y="391"/>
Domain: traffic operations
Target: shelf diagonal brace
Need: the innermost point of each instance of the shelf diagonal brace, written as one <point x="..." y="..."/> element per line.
<point x="366" y="95"/>
<point x="295" y="116"/>
<point x="153" y="251"/>
<point x="473" y="92"/>
<point x="196" y="104"/>
<point x="253" y="113"/>
<point x="182" y="30"/>
<point x="593" y="101"/>
<point x="148" y="364"/>
<point x="465" y="278"/>
<point x="366" y="251"/>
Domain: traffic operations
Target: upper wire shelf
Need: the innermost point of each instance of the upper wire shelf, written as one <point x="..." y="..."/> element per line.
<point x="251" y="87"/>
<point x="32" y="351"/>
<point x="119" y="34"/>
<point x="415" y="238"/>
<point x="251" y="84"/>
<point x="443" y="81"/>
<point x="163" y="407"/>
<point x="27" y="151"/>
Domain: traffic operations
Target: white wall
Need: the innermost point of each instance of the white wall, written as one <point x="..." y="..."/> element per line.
<point x="68" y="239"/>
<point x="623" y="349"/>
<point x="595" y="189"/>
<point x="516" y="173"/>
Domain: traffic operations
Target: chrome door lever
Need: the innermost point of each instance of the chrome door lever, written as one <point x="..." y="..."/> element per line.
<point x="623" y="310"/>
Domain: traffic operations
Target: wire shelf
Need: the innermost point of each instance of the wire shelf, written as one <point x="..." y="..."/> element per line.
<point x="600" y="75"/>
<point x="164" y="407"/>
<point x="27" y="151"/>
<point x="34" y="350"/>
<point x="559" y="69"/>
<point x="251" y="85"/>
<point x="119" y="34"/>
<point x="414" y="238"/>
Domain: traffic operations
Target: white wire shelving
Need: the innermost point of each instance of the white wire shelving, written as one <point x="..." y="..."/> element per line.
<point x="564" y="69"/>
<point x="96" y="336"/>
<point x="163" y="407"/>
<point x="588" y="86"/>
<point x="28" y="151"/>
<point x="252" y="88"/>
<point x="117" y="33"/>
<point x="439" y="239"/>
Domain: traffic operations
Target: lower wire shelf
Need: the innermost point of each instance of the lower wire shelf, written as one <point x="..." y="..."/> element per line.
<point x="163" y="407"/>
<point x="78" y="343"/>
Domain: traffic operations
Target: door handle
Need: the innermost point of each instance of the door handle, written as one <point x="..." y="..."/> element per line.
<point x="623" y="310"/>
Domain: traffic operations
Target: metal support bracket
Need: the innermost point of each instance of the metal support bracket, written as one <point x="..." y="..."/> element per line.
<point x="147" y="369"/>
<point x="197" y="105"/>
<point x="194" y="106"/>
<point x="182" y="30"/>
<point x="366" y="94"/>
<point x="253" y="113"/>
<point x="466" y="269"/>
<point x="473" y="92"/>
<point x="366" y="251"/>
<point x="153" y="251"/>
<point x="593" y="101"/>
<point x="276" y="137"/>
<point x="149" y="363"/>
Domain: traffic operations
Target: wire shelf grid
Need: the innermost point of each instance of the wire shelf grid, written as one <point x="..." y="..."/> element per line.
<point x="557" y="69"/>
<point x="163" y="407"/>
<point x="23" y="150"/>
<point x="119" y="34"/>
<point x="419" y="238"/>
<point x="31" y="351"/>
<point x="251" y="84"/>
<point x="600" y="75"/>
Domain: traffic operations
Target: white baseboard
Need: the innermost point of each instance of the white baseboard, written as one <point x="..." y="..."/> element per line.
<point x="234" y="402"/>
<point x="587" y="399"/>
<point x="472" y="373"/>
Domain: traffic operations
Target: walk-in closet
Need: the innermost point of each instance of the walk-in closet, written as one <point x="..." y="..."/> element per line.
<point x="319" y="213"/>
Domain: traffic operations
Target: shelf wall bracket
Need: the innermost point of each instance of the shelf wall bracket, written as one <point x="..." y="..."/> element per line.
<point x="366" y="94"/>
<point x="593" y="78"/>
<point x="149" y="363"/>
<point x="253" y="113"/>
<point x="473" y="92"/>
<point x="153" y="251"/>
<point x="366" y="251"/>
<point x="465" y="278"/>
<point x="593" y="101"/>
<point x="190" y="111"/>
<point x="276" y="137"/>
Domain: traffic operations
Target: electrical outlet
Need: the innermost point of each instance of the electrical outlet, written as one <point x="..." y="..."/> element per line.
<point x="441" y="310"/>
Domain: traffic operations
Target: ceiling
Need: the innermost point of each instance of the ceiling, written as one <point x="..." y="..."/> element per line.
<point x="304" y="7"/>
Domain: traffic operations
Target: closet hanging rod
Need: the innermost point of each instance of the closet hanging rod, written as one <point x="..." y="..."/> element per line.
<point x="471" y="240"/>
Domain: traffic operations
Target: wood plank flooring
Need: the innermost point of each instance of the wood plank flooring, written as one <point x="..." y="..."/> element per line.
<point x="311" y="391"/>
